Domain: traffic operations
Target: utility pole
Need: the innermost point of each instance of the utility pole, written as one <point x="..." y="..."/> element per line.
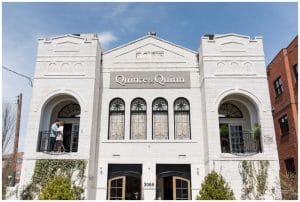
<point x="16" y="142"/>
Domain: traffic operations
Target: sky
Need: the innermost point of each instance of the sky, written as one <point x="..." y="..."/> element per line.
<point x="119" y="23"/>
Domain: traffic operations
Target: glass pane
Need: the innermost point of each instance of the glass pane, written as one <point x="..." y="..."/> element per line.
<point x="178" y="193"/>
<point x="138" y="105"/>
<point x="181" y="104"/>
<point x="116" y="127"/>
<point x="178" y="183"/>
<point x="138" y="125"/>
<point x="114" y="183"/>
<point x="160" y="104"/>
<point x="117" y="105"/>
<point x="182" y="125"/>
<point x="119" y="182"/>
<point x="228" y="110"/>
<point x="160" y="125"/>
<point x="184" y="184"/>
<point x="237" y="144"/>
<point x="119" y="192"/>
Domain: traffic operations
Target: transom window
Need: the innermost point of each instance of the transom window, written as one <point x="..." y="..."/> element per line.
<point x="278" y="86"/>
<point x="228" y="110"/>
<point x="69" y="111"/>
<point x="160" y="119"/>
<point x="116" y="119"/>
<point x="138" y="119"/>
<point x="182" y="119"/>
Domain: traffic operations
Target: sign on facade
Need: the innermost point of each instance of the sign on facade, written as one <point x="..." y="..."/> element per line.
<point x="154" y="79"/>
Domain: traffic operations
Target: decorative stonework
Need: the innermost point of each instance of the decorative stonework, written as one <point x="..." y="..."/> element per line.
<point x="234" y="67"/>
<point x="63" y="69"/>
<point x="149" y="54"/>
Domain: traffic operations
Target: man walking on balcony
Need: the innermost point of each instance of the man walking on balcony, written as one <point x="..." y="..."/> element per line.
<point x="53" y="132"/>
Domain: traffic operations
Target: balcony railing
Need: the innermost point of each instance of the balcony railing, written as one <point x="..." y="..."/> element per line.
<point x="70" y="141"/>
<point x="241" y="143"/>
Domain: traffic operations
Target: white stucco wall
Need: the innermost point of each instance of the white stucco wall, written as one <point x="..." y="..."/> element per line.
<point x="229" y="64"/>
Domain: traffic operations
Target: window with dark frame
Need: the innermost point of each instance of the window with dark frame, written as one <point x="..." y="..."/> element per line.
<point x="116" y="119"/>
<point x="295" y="69"/>
<point x="138" y="119"/>
<point x="278" y="86"/>
<point x="290" y="165"/>
<point x="182" y="119"/>
<point x="160" y="124"/>
<point x="284" y="125"/>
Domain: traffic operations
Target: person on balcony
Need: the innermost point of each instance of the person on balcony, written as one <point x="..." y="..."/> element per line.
<point x="53" y="134"/>
<point x="59" y="137"/>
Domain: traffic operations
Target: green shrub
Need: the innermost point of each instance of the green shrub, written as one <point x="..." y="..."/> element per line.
<point x="59" y="188"/>
<point x="214" y="187"/>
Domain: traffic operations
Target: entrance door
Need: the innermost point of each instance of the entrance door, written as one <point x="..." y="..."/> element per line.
<point x="116" y="188"/>
<point x="74" y="140"/>
<point x="181" y="188"/>
<point x="67" y="136"/>
<point x="173" y="188"/>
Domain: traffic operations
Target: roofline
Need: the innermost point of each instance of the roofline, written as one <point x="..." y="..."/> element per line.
<point x="147" y="36"/>
<point x="281" y="51"/>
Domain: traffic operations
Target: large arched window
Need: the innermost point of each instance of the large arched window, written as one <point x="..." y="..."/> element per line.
<point x="160" y="124"/>
<point x="116" y="119"/>
<point x="182" y="119"/>
<point x="231" y="132"/>
<point x="239" y="131"/>
<point x="138" y="119"/>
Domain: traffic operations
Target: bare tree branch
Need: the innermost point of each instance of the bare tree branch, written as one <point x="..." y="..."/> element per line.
<point x="8" y="125"/>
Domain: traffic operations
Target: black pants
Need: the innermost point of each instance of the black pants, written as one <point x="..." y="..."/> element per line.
<point x="52" y="143"/>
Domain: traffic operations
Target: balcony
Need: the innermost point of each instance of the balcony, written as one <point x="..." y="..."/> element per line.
<point x="70" y="141"/>
<point x="241" y="143"/>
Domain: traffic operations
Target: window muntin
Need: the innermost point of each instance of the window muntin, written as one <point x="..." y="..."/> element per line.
<point x="278" y="86"/>
<point x="69" y="111"/>
<point x="138" y="119"/>
<point x="227" y="110"/>
<point x="182" y="119"/>
<point x="160" y="123"/>
<point x="116" y="119"/>
<point x="284" y="125"/>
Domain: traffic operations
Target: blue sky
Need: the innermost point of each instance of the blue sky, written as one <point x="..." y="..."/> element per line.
<point x="119" y="23"/>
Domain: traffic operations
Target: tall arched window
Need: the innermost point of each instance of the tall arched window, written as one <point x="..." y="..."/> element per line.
<point x="182" y="119"/>
<point x="116" y="119"/>
<point x="231" y="129"/>
<point x="138" y="119"/>
<point x="160" y="119"/>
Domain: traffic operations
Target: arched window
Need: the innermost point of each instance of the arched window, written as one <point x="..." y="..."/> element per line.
<point x="160" y="119"/>
<point x="69" y="111"/>
<point x="138" y="119"/>
<point x="228" y="110"/>
<point x="182" y="119"/>
<point x="116" y="119"/>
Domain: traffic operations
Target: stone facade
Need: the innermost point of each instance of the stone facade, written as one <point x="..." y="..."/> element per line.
<point x="228" y="68"/>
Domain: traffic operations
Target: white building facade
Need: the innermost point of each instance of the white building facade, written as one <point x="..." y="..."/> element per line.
<point x="152" y="118"/>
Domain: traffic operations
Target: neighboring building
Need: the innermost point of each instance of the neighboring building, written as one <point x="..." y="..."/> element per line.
<point x="7" y="160"/>
<point x="152" y="118"/>
<point x="283" y="87"/>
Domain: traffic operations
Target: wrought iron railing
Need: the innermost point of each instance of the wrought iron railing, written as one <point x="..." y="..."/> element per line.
<point x="70" y="141"/>
<point x="241" y="143"/>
